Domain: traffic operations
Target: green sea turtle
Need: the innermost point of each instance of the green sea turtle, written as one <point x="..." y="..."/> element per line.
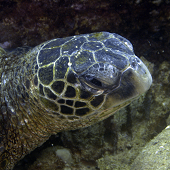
<point x="64" y="84"/>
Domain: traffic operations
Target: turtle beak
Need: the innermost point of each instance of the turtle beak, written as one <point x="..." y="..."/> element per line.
<point x="142" y="77"/>
<point x="135" y="80"/>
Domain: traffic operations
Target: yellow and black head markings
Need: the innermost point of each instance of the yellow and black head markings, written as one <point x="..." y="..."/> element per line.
<point x="64" y="84"/>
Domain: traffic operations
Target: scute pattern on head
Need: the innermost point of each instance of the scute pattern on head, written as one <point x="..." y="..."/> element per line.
<point x="77" y="55"/>
<point x="64" y="84"/>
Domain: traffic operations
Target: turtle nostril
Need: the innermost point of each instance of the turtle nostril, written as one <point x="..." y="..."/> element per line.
<point x="134" y="62"/>
<point x="134" y="65"/>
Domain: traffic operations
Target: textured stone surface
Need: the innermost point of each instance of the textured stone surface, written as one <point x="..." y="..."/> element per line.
<point x="156" y="154"/>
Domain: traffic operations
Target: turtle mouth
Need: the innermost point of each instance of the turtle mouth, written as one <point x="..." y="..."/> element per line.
<point x="135" y="80"/>
<point x="141" y="73"/>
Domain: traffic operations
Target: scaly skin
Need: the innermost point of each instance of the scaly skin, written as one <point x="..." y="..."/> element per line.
<point x="64" y="84"/>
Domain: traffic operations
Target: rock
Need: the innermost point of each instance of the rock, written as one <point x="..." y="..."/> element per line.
<point x="65" y="155"/>
<point x="156" y="154"/>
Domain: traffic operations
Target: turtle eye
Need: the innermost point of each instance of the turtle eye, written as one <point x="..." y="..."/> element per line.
<point x="92" y="84"/>
<point x="94" y="81"/>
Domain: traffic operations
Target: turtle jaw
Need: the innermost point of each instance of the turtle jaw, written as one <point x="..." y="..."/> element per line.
<point x="134" y="82"/>
<point x="143" y="78"/>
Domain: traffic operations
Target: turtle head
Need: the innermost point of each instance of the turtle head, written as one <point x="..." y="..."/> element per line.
<point x="64" y="84"/>
<point x="119" y="86"/>
<point x="84" y="79"/>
